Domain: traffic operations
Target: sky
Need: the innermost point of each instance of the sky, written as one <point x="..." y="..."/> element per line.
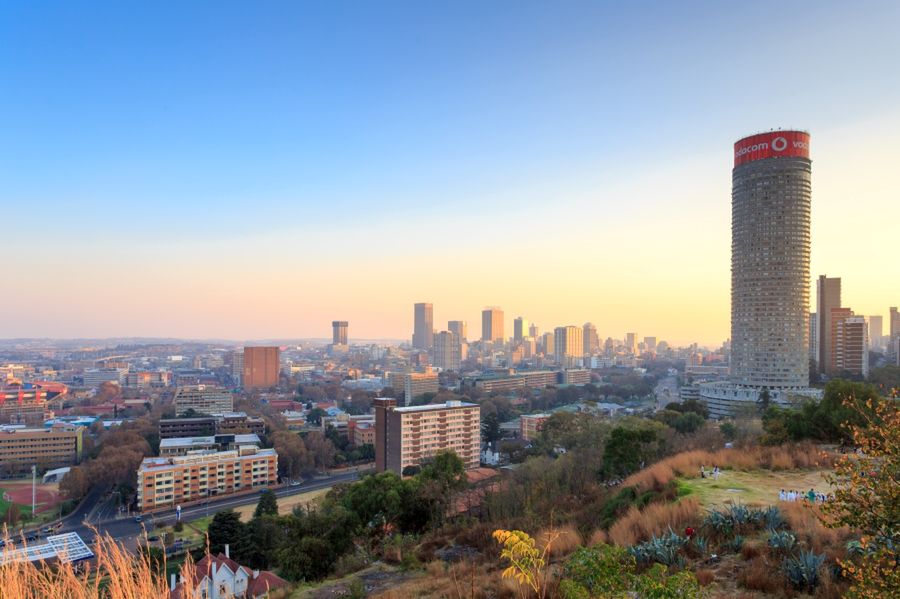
<point x="256" y="170"/>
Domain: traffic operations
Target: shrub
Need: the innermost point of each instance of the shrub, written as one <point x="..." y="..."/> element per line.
<point x="759" y="575"/>
<point x="807" y="523"/>
<point x="803" y="570"/>
<point x="705" y="577"/>
<point x="736" y="544"/>
<point x="559" y="541"/>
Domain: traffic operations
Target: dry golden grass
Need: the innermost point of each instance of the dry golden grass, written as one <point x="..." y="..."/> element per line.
<point x="805" y="521"/>
<point x="639" y="525"/>
<point x="563" y="540"/>
<point x="760" y="574"/>
<point x="688" y="463"/>
<point x="705" y="577"/>
<point x="113" y="574"/>
<point x="599" y="536"/>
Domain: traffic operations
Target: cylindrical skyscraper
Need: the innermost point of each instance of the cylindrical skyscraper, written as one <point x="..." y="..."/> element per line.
<point x="770" y="247"/>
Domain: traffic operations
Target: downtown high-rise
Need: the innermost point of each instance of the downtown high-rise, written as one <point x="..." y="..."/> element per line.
<point x="423" y="326"/>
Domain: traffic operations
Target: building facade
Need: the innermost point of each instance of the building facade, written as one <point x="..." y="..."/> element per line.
<point x="339" y="332"/>
<point x="423" y="326"/>
<point x="447" y="351"/>
<point x="410" y="436"/>
<point x="876" y="331"/>
<point x="492" y="325"/>
<point x="530" y="425"/>
<point x="569" y="345"/>
<point x="54" y="447"/>
<point x="520" y="328"/>
<point x="414" y="384"/>
<point x="459" y="327"/>
<point x="852" y="346"/>
<point x="164" y="482"/>
<point x="828" y="298"/>
<point x="262" y="366"/>
<point x="203" y="399"/>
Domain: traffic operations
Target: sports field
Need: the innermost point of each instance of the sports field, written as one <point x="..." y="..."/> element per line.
<point x="753" y="488"/>
<point x="19" y="492"/>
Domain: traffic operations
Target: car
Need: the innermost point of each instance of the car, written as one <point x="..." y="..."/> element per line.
<point x="296" y="483"/>
<point x="31" y="537"/>
<point x="138" y="519"/>
<point x="153" y="539"/>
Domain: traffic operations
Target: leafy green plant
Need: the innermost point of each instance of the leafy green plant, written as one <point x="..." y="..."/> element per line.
<point x="803" y="570"/>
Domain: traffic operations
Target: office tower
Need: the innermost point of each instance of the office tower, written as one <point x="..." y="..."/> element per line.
<point x="569" y="345"/>
<point x="447" y="351"/>
<point x="895" y="325"/>
<point x="591" y="340"/>
<point x="828" y="297"/>
<point x="852" y="346"/>
<point x="423" y="326"/>
<point x="814" y="337"/>
<point x="631" y="342"/>
<point x="339" y="332"/>
<point x="548" y="345"/>
<point x="650" y="344"/>
<point x="770" y="241"/>
<point x="876" y="331"/>
<point x="203" y="399"/>
<point x="459" y="327"/>
<point x="609" y="347"/>
<point x="520" y="328"/>
<point x="492" y="324"/>
<point x="261" y="367"/>
<point x="534" y="331"/>
<point x="410" y="436"/>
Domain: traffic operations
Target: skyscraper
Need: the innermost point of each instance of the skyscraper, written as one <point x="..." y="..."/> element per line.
<point x="894" y="323"/>
<point x="534" y="331"/>
<point x="852" y="346"/>
<point x="492" y="324"/>
<point x="631" y="342"/>
<point x="650" y="344"/>
<point x="423" y="326"/>
<point x="548" y="345"/>
<point x="339" y="332"/>
<point x="569" y="345"/>
<point x="459" y="327"/>
<point x="447" y="350"/>
<point x="828" y="297"/>
<point x="838" y="315"/>
<point x="261" y="367"/>
<point x="591" y="340"/>
<point x="876" y="331"/>
<point x="770" y="247"/>
<point x="520" y="328"/>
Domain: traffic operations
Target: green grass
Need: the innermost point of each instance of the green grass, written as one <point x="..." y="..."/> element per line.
<point x="756" y="487"/>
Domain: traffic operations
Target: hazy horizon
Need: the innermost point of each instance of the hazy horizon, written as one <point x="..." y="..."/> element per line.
<point x="245" y="172"/>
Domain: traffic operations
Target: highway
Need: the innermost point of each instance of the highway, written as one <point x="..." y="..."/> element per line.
<point x="102" y="515"/>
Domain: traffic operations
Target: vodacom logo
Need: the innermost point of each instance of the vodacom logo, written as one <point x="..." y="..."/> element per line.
<point x="779" y="144"/>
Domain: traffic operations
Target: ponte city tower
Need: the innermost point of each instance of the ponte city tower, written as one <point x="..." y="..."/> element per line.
<point x="770" y="248"/>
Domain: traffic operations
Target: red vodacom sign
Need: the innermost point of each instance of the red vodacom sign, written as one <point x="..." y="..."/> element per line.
<point x="771" y="145"/>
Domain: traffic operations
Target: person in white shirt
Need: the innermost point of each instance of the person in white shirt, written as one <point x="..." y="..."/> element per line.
<point x="782" y="496"/>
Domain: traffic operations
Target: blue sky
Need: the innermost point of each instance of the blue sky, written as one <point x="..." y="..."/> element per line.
<point x="330" y="126"/>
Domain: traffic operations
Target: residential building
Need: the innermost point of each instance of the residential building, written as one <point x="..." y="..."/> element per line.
<point x="460" y="328"/>
<point x="203" y="399"/>
<point x="237" y="423"/>
<point x="410" y="436"/>
<point x="24" y="404"/>
<point x="530" y="425"/>
<point x="148" y="379"/>
<point x="414" y="384"/>
<point x="262" y="365"/>
<point x="165" y="482"/>
<point x="591" y="339"/>
<point x="423" y="326"/>
<point x="814" y="337"/>
<point x="828" y="298"/>
<point x="184" y="445"/>
<point x="492" y="325"/>
<point x="361" y="433"/>
<point x="576" y="376"/>
<point x="526" y="379"/>
<point x="170" y="428"/>
<point x="54" y="447"/>
<point x="447" y="351"/>
<point x="94" y="377"/>
<point x="852" y="347"/>
<point x="220" y="577"/>
<point x="894" y="323"/>
<point x="837" y="315"/>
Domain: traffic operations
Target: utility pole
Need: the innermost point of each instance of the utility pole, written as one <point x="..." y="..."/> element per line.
<point x="33" y="496"/>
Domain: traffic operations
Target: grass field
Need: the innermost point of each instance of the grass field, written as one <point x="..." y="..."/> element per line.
<point x="286" y="504"/>
<point x="19" y="492"/>
<point x="755" y="487"/>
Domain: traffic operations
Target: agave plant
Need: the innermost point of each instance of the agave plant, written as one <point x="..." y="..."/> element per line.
<point x="782" y="540"/>
<point x="702" y="545"/>
<point x="664" y="549"/>
<point x="720" y="522"/>
<point x="772" y="519"/>
<point x="736" y="543"/>
<point x="803" y="570"/>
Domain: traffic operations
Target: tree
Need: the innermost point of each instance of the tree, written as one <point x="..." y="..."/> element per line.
<point x="490" y="428"/>
<point x="867" y="497"/>
<point x="764" y="400"/>
<point x="224" y="529"/>
<point x="13" y="514"/>
<point x="315" y="416"/>
<point x="626" y="449"/>
<point x="293" y="458"/>
<point x="75" y="484"/>
<point x="320" y="449"/>
<point x="268" y="504"/>
<point x="527" y="563"/>
<point x="688" y="422"/>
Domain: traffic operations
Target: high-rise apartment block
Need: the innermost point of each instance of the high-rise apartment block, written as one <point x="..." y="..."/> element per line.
<point x="770" y="249"/>
<point x="423" y="326"/>
<point x="492" y="325"/>
<point x="261" y="367"/>
<point x="203" y="399"/>
<point x="837" y="316"/>
<point x="828" y="298"/>
<point x="520" y="328"/>
<point x="814" y="337"/>
<point x="165" y="482"/>
<point x="590" y="338"/>
<point x="410" y="436"/>
<point x="447" y="351"/>
<point x="852" y="346"/>
<point x="459" y="328"/>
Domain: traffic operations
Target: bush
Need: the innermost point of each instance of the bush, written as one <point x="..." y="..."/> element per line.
<point x="178" y="526"/>
<point x="760" y="575"/>
<point x="639" y="525"/>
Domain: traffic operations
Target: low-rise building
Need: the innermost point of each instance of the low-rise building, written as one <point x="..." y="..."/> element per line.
<point x="530" y="425"/>
<point x="361" y="433"/>
<point x="148" y="379"/>
<point x="54" y="447"/>
<point x="184" y="445"/>
<point x="203" y="399"/>
<point x="164" y="482"/>
<point x="187" y="427"/>
<point x="409" y="436"/>
<point x="576" y="376"/>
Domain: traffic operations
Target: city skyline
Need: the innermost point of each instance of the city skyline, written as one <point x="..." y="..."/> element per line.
<point x="264" y="203"/>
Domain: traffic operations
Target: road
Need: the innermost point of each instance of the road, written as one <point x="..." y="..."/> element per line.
<point x="102" y="514"/>
<point x="666" y="392"/>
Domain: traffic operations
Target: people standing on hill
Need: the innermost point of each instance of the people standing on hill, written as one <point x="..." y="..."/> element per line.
<point x="782" y="495"/>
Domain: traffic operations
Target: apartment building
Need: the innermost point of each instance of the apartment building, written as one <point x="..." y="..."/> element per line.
<point x="530" y="425"/>
<point x="262" y="366"/>
<point x="414" y="384"/>
<point x="534" y="379"/>
<point x="203" y="399"/>
<point x="409" y="436"/>
<point x="852" y="346"/>
<point x="164" y="482"/>
<point x="54" y="447"/>
<point x="214" y="424"/>
<point x="149" y="379"/>
<point x="183" y="445"/>
<point x="576" y="376"/>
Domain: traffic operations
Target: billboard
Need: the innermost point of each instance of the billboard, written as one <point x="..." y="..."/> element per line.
<point x="775" y="144"/>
